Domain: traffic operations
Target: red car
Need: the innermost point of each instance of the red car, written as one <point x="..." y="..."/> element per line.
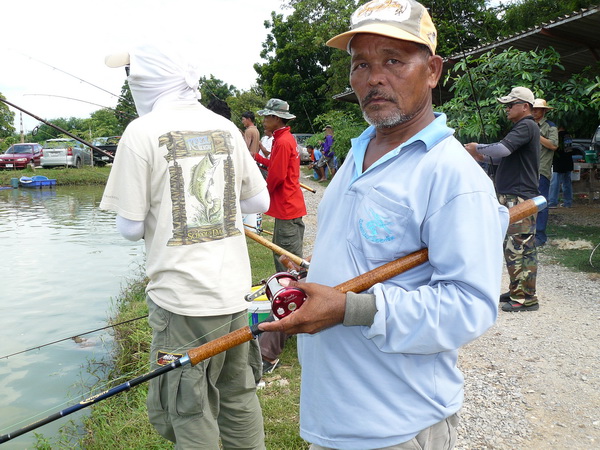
<point x="19" y="156"/>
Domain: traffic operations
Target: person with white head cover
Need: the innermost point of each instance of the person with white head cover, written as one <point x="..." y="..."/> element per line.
<point x="181" y="180"/>
<point x="379" y="368"/>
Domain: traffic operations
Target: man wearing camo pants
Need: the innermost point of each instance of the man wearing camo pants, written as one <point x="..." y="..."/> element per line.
<point x="516" y="181"/>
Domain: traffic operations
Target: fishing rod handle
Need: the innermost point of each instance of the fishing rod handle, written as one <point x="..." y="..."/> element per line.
<point x="308" y="188"/>
<point x="368" y="279"/>
<point x="219" y="345"/>
<point x="280" y="251"/>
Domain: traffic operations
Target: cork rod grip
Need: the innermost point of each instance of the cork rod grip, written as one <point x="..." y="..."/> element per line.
<point x="219" y="345"/>
<point x="280" y="251"/>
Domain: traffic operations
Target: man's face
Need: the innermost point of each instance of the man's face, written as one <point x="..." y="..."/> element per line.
<point x="392" y="79"/>
<point x="245" y="122"/>
<point x="270" y="123"/>
<point x="538" y="113"/>
<point x="516" y="110"/>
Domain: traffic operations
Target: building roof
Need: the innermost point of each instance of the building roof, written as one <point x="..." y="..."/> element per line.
<point x="575" y="37"/>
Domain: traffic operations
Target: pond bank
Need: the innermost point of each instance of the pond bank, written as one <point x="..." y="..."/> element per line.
<point x="63" y="177"/>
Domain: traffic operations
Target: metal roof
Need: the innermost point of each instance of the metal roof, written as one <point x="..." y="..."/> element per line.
<point x="575" y="37"/>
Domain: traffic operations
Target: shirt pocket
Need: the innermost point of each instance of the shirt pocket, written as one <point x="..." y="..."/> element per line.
<point x="379" y="226"/>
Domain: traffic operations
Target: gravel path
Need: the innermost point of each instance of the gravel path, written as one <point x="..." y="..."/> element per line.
<point x="533" y="380"/>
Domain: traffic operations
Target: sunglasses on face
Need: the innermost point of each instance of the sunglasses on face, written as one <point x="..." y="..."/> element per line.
<point x="510" y="105"/>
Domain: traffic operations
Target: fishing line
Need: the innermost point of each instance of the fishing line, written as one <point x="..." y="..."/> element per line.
<point x="78" y="78"/>
<point x="37" y="347"/>
<point x="114" y="381"/>
<point x="472" y="85"/>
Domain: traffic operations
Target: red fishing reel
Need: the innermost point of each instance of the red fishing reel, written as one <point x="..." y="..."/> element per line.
<point x="284" y="298"/>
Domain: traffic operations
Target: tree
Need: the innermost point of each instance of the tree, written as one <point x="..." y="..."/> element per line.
<point x="478" y="81"/>
<point x="297" y="59"/>
<point x="530" y="13"/>
<point x="302" y="70"/>
<point x="213" y="87"/>
<point x="7" y="118"/>
<point x="126" y="110"/>
<point x="462" y="24"/>
<point x="251" y="100"/>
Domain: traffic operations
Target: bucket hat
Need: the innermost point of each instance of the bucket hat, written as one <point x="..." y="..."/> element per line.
<point x="541" y="103"/>
<point x="277" y="107"/>
<point x="407" y="20"/>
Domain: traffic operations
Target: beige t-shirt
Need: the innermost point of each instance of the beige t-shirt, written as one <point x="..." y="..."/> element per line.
<point x="183" y="170"/>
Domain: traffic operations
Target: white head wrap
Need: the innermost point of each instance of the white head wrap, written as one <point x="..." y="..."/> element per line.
<point x="160" y="73"/>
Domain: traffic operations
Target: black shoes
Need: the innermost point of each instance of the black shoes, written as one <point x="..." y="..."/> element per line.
<point x="505" y="297"/>
<point x="512" y="306"/>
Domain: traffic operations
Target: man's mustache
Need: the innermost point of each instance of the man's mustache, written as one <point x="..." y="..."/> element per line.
<point x="374" y="93"/>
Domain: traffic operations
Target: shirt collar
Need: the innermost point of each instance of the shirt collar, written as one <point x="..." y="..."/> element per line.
<point x="428" y="137"/>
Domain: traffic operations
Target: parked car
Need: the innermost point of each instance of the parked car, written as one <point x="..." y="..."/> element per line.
<point x="596" y="141"/>
<point x="18" y="156"/>
<point x="301" y="139"/>
<point x="65" y="152"/>
<point x="108" y="144"/>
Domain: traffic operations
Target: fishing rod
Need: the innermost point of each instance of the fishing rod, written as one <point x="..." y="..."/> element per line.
<point x="74" y="337"/>
<point x="247" y="333"/>
<point x="85" y="101"/>
<point x="258" y="230"/>
<point x="78" y="78"/>
<point x="274" y="247"/>
<point x="58" y="128"/>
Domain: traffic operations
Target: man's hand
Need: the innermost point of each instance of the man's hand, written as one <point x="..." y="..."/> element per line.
<point x="323" y="308"/>
<point x="472" y="149"/>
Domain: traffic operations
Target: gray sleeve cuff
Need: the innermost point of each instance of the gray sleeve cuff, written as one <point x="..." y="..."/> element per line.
<point x="360" y="309"/>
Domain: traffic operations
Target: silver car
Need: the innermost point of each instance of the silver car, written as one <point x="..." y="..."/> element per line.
<point x="301" y="139"/>
<point x="65" y="152"/>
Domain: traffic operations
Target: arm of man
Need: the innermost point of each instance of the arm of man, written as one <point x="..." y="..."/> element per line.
<point x="550" y="142"/>
<point x="132" y="230"/>
<point x="256" y="204"/>
<point x="496" y="151"/>
<point x="457" y="305"/>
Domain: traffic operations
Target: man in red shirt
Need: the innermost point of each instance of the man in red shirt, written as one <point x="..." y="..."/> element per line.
<point x="283" y="181"/>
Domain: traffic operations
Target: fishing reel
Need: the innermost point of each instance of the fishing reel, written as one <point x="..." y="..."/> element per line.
<point x="284" y="298"/>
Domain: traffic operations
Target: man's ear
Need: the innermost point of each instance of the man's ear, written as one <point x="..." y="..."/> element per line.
<point x="435" y="64"/>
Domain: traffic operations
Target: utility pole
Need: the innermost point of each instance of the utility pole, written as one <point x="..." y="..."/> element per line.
<point x="22" y="136"/>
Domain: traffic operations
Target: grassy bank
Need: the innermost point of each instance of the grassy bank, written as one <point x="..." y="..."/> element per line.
<point x="63" y="176"/>
<point x="121" y="421"/>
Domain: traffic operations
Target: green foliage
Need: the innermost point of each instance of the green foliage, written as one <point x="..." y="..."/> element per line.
<point x="346" y="125"/>
<point x="476" y="82"/>
<point x="462" y="24"/>
<point x="214" y="88"/>
<point x="126" y="110"/>
<point x="250" y="100"/>
<point x="297" y="59"/>
<point x="526" y="14"/>
<point x="7" y="118"/>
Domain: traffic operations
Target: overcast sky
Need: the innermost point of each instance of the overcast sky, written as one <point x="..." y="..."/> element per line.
<point x="75" y="36"/>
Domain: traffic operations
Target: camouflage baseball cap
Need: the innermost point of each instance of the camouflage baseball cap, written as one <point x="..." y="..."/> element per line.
<point x="406" y="20"/>
<point x="276" y="107"/>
